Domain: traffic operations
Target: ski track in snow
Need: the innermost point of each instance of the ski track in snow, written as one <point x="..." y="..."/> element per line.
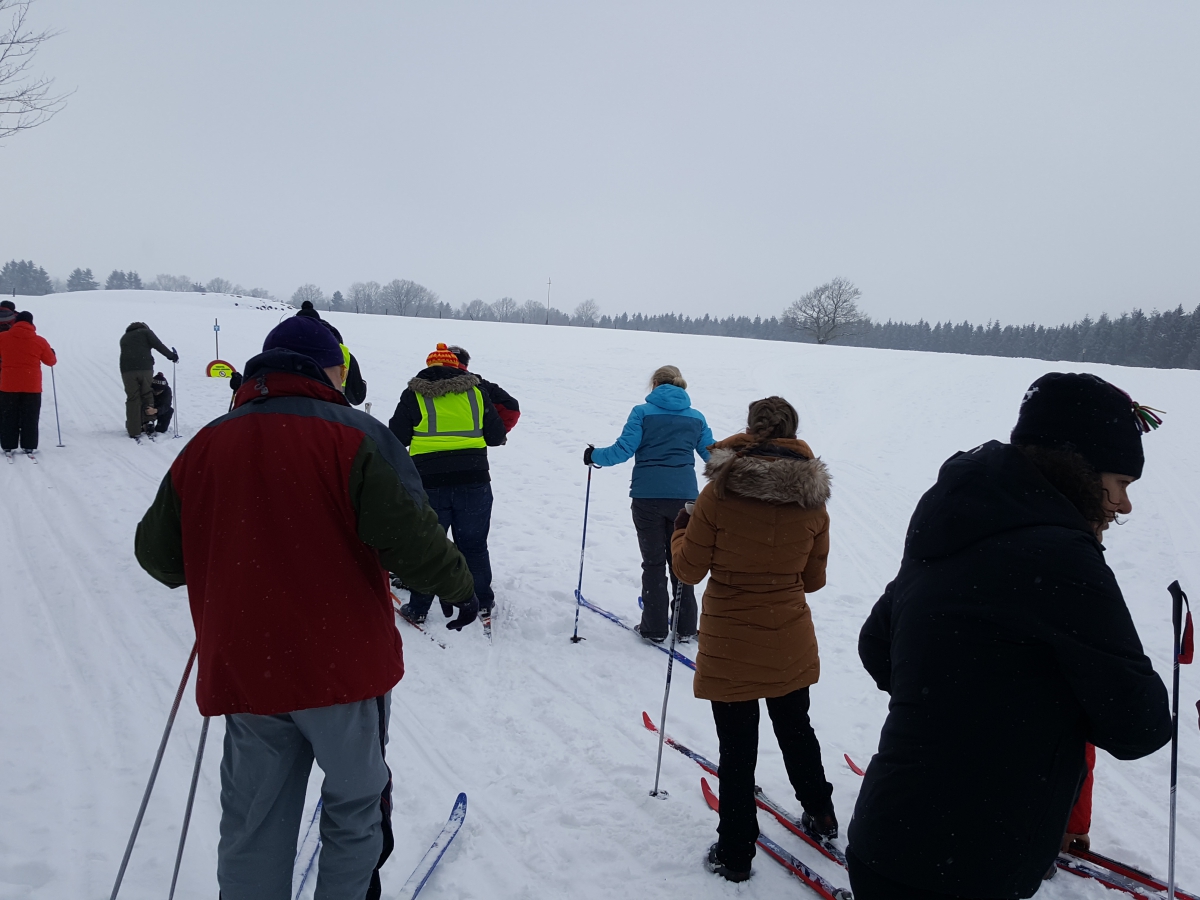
<point x="544" y="735"/>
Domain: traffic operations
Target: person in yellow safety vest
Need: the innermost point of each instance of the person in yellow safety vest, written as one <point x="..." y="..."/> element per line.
<point x="448" y="423"/>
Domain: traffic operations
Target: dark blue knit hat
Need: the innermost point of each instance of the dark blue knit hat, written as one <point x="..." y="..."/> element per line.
<point x="308" y="337"/>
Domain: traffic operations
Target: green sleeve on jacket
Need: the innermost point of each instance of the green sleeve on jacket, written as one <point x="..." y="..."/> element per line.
<point x="159" y="345"/>
<point x="406" y="532"/>
<point x="158" y="544"/>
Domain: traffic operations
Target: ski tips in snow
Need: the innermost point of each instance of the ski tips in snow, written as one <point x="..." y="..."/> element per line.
<point x="854" y="767"/>
<point x="436" y="851"/>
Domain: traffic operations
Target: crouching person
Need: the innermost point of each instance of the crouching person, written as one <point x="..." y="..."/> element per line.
<point x="281" y="518"/>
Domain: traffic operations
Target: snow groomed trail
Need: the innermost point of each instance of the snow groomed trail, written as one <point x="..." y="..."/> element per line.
<point x="545" y="736"/>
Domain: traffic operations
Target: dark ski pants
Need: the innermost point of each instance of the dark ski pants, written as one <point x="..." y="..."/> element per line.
<point x="19" y="414"/>
<point x="654" y="520"/>
<point x="737" y="731"/>
<point x="465" y="511"/>
<point x="162" y="421"/>
<point x="264" y="774"/>
<point x="139" y="396"/>
<point x="867" y="884"/>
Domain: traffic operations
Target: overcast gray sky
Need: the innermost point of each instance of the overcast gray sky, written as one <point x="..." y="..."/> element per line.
<point x="1023" y="161"/>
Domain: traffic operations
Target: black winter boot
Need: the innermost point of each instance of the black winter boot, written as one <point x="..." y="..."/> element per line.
<point x="713" y="864"/>
<point x="824" y="824"/>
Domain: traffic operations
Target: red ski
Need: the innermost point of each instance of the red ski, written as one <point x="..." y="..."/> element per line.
<point x="792" y="823"/>
<point x="785" y="859"/>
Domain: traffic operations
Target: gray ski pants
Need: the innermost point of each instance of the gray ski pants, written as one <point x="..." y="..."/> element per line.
<point x="264" y="774"/>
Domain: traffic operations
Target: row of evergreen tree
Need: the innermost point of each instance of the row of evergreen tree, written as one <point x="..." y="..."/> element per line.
<point x="27" y="278"/>
<point x="1157" y="339"/>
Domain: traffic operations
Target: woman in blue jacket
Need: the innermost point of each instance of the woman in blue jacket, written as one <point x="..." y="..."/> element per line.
<point x="661" y="435"/>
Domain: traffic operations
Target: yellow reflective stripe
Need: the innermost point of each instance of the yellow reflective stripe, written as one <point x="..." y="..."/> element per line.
<point x="345" y="362"/>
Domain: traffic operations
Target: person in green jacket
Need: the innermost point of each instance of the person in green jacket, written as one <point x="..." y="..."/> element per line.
<point x="137" y="371"/>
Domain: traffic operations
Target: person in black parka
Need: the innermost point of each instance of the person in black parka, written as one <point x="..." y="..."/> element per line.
<point x="1006" y="646"/>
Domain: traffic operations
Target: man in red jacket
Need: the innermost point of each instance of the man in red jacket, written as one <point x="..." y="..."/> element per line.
<point x="22" y="352"/>
<point x="282" y="518"/>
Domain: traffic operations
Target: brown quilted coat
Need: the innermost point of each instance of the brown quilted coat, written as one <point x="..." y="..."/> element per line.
<point x="765" y="543"/>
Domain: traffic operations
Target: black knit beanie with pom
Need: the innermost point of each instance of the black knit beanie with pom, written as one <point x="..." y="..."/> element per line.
<point x="1086" y="414"/>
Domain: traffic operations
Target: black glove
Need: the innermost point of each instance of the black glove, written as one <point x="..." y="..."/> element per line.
<point x="235" y="381"/>
<point x="587" y="454"/>
<point x="174" y="355"/>
<point x="681" y="520"/>
<point x="468" y="611"/>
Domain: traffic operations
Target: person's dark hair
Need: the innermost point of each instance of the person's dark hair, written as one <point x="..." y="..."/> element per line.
<point x="770" y="418"/>
<point x="25" y="316"/>
<point x="463" y="356"/>
<point x="1072" y="476"/>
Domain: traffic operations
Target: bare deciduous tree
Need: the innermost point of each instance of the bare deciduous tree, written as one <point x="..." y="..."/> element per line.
<point x="365" y="297"/>
<point x="312" y="294"/>
<point x="827" y="312"/>
<point x="26" y="100"/>
<point x="533" y="312"/>
<point x="505" y="309"/>
<point x="476" y="311"/>
<point x="219" y="286"/>
<point x="407" y="298"/>
<point x="587" y="312"/>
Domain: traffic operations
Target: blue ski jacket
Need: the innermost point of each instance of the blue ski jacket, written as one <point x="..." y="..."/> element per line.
<point x="661" y="435"/>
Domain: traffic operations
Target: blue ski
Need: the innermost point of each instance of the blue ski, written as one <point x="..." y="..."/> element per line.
<point x="436" y="851"/>
<point x="617" y="620"/>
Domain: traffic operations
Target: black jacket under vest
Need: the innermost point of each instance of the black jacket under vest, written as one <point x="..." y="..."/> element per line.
<point x="446" y="468"/>
<point x="1005" y="644"/>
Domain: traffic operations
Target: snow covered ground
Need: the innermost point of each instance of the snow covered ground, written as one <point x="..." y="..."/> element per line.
<point x="544" y="735"/>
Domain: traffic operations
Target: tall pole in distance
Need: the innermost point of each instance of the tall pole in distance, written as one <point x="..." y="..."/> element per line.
<point x="217" y="336"/>
<point x="548" y="306"/>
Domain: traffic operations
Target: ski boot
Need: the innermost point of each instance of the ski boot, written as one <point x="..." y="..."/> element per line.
<point x="713" y="864"/>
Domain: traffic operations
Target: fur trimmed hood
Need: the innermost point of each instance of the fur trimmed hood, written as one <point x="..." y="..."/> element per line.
<point x="781" y="471"/>
<point x="458" y="383"/>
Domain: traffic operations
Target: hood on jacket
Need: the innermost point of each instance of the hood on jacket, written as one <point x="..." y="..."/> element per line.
<point x="438" y="381"/>
<point x="668" y="396"/>
<point x="22" y="326"/>
<point x="286" y="362"/>
<point x="781" y="471"/>
<point x="983" y="492"/>
<point x="134" y="326"/>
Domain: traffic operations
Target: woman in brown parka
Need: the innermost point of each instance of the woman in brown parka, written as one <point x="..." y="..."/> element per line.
<point x="760" y="528"/>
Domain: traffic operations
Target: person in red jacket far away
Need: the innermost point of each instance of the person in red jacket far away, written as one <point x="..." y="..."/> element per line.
<point x="22" y="353"/>
<point x="280" y="517"/>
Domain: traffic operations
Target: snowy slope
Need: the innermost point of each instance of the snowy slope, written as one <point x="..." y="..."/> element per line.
<point x="544" y="735"/>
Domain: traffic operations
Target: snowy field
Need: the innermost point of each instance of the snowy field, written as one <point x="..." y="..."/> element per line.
<point x="544" y="735"/>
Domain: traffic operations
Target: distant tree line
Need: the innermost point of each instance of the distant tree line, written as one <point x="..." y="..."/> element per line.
<point x="827" y="313"/>
<point x="25" y="277"/>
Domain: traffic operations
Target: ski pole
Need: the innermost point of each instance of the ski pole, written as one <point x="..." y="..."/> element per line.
<point x="54" y="384"/>
<point x="162" y="746"/>
<point x="1180" y="654"/>
<point x="175" y="388"/>
<point x="187" y="812"/>
<point x="587" y="499"/>
<point x="662" y="728"/>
